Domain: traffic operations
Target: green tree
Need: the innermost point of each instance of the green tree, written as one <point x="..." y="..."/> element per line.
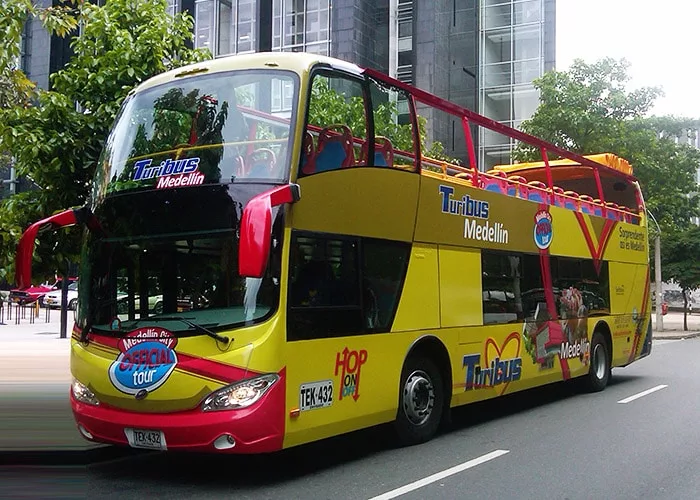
<point x="57" y="142"/>
<point x="679" y="262"/>
<point x="329" y="106"/>
<point x="589" y="110"/>
<point x="15" y="88"/>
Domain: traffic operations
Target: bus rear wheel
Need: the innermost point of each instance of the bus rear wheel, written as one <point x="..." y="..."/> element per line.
<point x="599" y="369"/>
<point x="421" y="401"/>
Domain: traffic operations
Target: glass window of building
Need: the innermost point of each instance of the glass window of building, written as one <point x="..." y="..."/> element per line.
<point x="172" y="7"/>
<point x="204" y="11"/>
<point x="513" y="56"/>
<point x="231" y="23"/>
<point x="301" y="26"/>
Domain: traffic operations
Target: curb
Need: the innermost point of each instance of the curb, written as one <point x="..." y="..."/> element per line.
<point x="679" y="336"/>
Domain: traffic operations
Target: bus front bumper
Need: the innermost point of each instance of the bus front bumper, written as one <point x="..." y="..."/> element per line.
<point x="257" y="429"/>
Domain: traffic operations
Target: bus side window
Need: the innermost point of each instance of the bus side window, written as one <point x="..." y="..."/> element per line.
<point x="337" y="123"/>
<point x="324" y="292"/>
<point x="393" y="129"/>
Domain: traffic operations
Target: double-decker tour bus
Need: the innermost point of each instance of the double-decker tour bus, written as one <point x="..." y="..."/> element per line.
<point x="272" y="257"/>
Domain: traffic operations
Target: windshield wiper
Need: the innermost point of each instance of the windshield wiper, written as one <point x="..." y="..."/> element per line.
<point x="197" y="328"/>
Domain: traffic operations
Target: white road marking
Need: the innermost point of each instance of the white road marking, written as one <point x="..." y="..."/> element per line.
<point x="642" y="394"/>
<point x="440" y="475"/>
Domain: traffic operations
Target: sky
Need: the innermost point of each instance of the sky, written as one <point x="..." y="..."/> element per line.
<point x="659" y="38"/>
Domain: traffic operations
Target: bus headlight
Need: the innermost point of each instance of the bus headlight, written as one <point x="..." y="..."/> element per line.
<point x="83" y="394"/>
<point x="241" y="394"/>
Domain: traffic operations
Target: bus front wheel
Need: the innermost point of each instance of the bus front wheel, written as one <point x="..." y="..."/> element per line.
<point x="599" y="370"/>
<point x="421" y="401"/>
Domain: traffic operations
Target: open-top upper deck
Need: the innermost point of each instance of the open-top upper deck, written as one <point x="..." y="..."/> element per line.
<point x="289" y="127"/>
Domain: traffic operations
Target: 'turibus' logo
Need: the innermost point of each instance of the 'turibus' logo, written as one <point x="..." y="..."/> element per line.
<point x="170" y="173"/>
<point x="472" y="210"/>
<point x="499" y="371"/>
<point x="466" y="205"/>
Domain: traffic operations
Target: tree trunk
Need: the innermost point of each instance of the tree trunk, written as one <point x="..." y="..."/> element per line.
<point x="685" y="310"/>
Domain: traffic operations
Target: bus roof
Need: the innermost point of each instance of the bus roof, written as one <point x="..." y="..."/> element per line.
<point x="299" y="62"/>
<point x="607" y="159"/>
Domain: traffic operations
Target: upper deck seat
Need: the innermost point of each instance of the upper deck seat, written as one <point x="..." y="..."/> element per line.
<point x="517" y="186"/>
<point x="559" y="198"/>
<point x="613" y="211"/>
<point x="467" y="176"/>
<point x="572" y="200"/>
<point x="597" y="207"/>
<point x="308" y="153"/>
<point x="334" y="149"/>
<point x="586" y="204"/>
<point x="383" y="153"/>
<point x="261" y="163"/>
<point x="627" y="215"/>
<point x="537" y="191"/>
<point x="495" y="180"/>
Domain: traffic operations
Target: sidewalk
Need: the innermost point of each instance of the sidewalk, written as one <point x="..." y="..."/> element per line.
<point x="673" y="326"/>
<point x="35" y="353"/>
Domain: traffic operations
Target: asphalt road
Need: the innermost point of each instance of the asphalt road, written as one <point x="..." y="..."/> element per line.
<point x="547" y="443"/>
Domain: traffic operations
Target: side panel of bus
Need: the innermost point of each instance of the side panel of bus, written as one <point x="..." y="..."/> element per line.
<point x="353" y="228"/>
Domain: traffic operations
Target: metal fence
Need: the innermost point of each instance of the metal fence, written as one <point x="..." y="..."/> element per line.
<point x="13" y="313"/>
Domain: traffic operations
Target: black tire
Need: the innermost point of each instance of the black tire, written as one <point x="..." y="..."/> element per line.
<point x="599" y="370"/>
<point x="72" y="304"/>
<point x="418" y="418"/>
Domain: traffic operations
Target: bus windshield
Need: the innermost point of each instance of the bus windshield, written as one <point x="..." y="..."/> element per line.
<point x="206" y="129"/>
<point x="173" y="253"/>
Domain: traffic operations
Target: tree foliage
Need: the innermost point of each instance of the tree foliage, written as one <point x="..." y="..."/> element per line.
<point x="15" y="88"/>
<point x="329" y="106"/>
<point x="589" y="110"/>
<point x="679" y="261"/>
<point x="57" y="142"/>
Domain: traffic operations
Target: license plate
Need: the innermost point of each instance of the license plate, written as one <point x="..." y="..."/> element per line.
<point x="316" y="395"/>
<point x="151" y="440"/>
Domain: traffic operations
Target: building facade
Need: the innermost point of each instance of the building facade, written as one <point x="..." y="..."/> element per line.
<point x="517" y="45"/>
<point x="480" y="54"/>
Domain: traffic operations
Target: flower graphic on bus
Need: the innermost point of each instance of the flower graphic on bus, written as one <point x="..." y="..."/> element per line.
<point x="146" y="360"/>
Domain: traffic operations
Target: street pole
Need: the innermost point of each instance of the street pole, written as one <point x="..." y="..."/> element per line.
<point x="657" y="278"/>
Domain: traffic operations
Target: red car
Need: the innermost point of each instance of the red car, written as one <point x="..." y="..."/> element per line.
<point x="34" y="293"/>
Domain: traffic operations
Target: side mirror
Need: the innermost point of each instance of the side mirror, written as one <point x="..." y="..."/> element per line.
<point x="25" y="248"/>
<point x="256" y="227"/>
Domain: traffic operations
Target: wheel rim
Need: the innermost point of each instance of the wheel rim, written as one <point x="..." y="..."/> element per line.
<point x="599" y="361"/>
<point x="418" y="397"/>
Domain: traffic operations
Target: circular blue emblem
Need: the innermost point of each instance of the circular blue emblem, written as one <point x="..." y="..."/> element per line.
<point x="146" y="360"/>
<point x="543" y="229"/>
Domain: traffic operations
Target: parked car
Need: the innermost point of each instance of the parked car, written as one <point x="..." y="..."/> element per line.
<point x="53" y="299"/>
<point x="34" y="293"/>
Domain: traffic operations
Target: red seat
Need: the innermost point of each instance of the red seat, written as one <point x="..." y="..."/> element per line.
<point x="586" y="204"/>
<point x="334" y="149"/>
<point x="572" y="200"/>
<point x="559" y="197"/>
<point x="537" y="191"/>
<point x="494" y="180"/>
<point x="308" y="153"/>
<point x="383" y="153"/>
<point x="517" y="186"/>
